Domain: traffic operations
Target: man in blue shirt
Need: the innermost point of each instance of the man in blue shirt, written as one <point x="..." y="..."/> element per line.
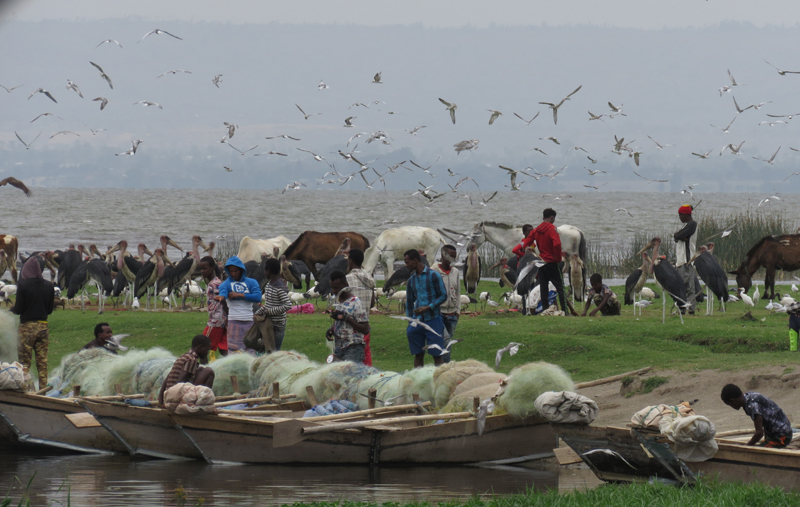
<point x="424" y="295"/>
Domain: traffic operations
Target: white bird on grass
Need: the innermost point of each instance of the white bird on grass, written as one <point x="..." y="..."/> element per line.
<point x="744" y="297"/>
<point x="794" y="288"/>
<point x="512" y="348"/>
<point x="415" y="323"/>
<point x="756" y="296"/>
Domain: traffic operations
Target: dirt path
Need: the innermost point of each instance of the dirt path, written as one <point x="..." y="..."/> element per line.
<point x="780" y="383"/>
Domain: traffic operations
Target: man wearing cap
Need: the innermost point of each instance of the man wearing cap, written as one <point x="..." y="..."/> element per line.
<point x="685" y="249"/>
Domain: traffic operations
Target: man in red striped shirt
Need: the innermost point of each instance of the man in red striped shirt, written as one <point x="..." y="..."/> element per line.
<point x="546" y="238"/>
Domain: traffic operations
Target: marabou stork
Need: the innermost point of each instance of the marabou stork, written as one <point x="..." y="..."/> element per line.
<point x="167" y="241"/>
<point x="337" y="263"/>
<point x="210" y="248"/>
<point x="174" y="277"/>
<point x="667" y="277"/>
<point x="401" y="275"/>
<point x="127" y="268"/>
<point x="528" y="268"/>
<point x="96" y="270"/>
<point x="472" y="269"/>
<point x="70" y="260"/>
<point x="636" y="281"/>
<point x="713" y="275"/>
<point x="148" y="274"/>
<point x="508" y="276"/>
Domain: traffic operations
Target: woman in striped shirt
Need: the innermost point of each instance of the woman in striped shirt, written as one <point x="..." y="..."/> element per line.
<point x="276" y="300"/>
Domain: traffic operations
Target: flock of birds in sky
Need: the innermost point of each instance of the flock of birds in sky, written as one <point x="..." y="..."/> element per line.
<point x="368" y="172"/>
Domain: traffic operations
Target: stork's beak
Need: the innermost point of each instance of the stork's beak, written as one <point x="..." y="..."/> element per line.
<point x="203" y="245"/>
<point x="113" y="249"/>
<point x="172" y="243"/>
<point x="647" y="247"/>
<point x="208" y="247"/>
<point x="166" y="260"/>
<point x="499" y="263"/>
<point x="148" y="252"/>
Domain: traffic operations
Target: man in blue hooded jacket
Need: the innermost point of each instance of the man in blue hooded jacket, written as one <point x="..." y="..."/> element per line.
<point x="241" y="292"/>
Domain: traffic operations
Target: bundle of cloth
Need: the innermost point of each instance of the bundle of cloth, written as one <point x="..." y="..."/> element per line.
<point x="691" y="434"/>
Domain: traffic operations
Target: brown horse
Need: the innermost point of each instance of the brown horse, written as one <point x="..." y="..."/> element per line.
<point x="314" y="247"/>
<point x="771" y="252"/>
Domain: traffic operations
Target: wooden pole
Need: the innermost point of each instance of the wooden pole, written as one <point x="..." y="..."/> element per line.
<point x="372" y="394"/>
<point x="118" y="389"/>
<point x="312" y="397"/>
<point x="476" y="404"/>
<point x="255" y="413"/>
<point x="234" y="383"/>
<point x="47" y="389"/>
<point x="76" y="391"/>
<point x="363" y="413"/>
<point x="276" y="390"/>
<point x="608" y="380"/>
<point x="121" y="397"/>
<point x="390" y="420"/>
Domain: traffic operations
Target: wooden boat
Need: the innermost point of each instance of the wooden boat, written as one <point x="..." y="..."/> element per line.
<point x="224" y="439"/>
<point x="624" y="454"/>
<point x="33" y="420"/>
<point x="235" y="439"/>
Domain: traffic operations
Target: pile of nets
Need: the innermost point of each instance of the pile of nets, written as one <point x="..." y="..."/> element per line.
<point x="527" y="382"/>
<point x="8" y="337"/>
<point x="237" y="364"/>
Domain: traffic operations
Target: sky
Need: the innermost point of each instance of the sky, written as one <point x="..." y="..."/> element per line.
<point x="665" y="63"/>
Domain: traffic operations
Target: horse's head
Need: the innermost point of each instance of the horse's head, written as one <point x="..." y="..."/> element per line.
<point x="743" y="278"/>
<point x="477" y="236"/>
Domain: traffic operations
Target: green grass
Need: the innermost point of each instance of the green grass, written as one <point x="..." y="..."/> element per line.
<point x="653" y="382"/>
<point x="588" y="348"/>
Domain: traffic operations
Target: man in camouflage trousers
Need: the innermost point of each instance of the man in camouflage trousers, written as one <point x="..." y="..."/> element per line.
<point x="34" y="303"/>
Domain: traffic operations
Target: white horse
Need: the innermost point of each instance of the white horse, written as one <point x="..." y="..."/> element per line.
<point x="507" y="236"/>
<point x="393" y="243"/>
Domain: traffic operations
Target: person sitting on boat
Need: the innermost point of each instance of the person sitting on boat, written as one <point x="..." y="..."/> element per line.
<point x="102" y="338"/>
<point x="186" y="368"/>
<point x="767" y="416"/>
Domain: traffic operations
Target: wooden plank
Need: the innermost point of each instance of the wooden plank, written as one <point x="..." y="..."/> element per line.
<point x="614" y="378"/>
<point x="566" y="456"/>
<point x="372" y="393"/>
<point x="312" y="397"/>
<point x="82" y="420"/>
<point x="234" y="383"/>
<point x="41" y="392"/>
<point x="255" y="413"/>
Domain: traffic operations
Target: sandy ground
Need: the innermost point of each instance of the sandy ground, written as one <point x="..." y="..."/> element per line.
<point x="780" y="383"/>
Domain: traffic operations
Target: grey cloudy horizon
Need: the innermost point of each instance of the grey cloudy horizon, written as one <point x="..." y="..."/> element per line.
<point x="479" y="58"/>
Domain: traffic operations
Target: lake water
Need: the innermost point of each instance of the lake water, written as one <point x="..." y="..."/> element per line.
<point x="121" y="481"/>
<point x="54" y="218"/>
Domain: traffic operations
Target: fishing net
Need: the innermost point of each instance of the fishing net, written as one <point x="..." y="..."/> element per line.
<point x="148" y="376"/>
<point x="280" y="365"/>
<point x="332" y="381"/>
<point x="233" y="364"/>
<point x="463" y="401"/>
<point x="75" y="370"/>
<point x="449" y="375"/>
<point x="479" y="380"/>
<point x="119" y="370"/>
<point x="528" y="382"/>
<point x="418" y="381"/>
<point x="387" y="384"/>
<point x="8" y="337"/>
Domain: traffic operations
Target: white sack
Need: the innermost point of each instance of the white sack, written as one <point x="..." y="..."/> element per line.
<point x="566" y="407"/>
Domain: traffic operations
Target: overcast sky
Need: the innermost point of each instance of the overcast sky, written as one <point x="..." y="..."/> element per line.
<point x="665" y="61"/>
<point x="639" y="14"/>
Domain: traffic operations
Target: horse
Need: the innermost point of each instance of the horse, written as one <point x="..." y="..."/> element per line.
<point x="393" y="243"/>
<point x="771" y="252"/>
<point x="507" y="236"/>
<point x="251" y="249"/>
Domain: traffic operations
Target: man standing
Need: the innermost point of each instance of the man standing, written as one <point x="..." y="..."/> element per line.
<point x="685" y="248"/>
<point x="546" y="238"/>
<point x="34" y="303"/>
<point x="217" y="310"/>
<point x="451" y="308"/>
<point x="425" y="293"/>
<point x="350" y="321"/>
<point x="362" y="286"/>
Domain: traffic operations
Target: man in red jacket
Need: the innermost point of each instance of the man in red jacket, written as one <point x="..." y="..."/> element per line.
<point x="546" y="238"/>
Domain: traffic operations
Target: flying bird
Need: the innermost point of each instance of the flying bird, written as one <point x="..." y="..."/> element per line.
<point x="295" y="185"/>
<point x="555" y="107"/>
<point x="9" y="90"/>
<point x="549" y="139"/>
<point x="240" y="151"/>
<point x="593" y="172"/>
<point x="14" y="182"/>
<point x="526" y="121"/>
<point x="283" y="136"/>
<point x="147" y="103"/>
<point x="623" y="210"/>
<point x="512" y="348"/>
<point x="704" y="155"/>
<point x="415" y="323"/>
<point x="593" y="116"/>
<point x="173" y="72"/>
<point x="733" y="81"/>
<point x="650" y="181"/>
<point x="771" y="159"/>
<point x="103" y="102"/>
<point x="108" y="41"/>
<point x="322" y="86"/>
<point x="377" y="78"/>
<point x="450" y="107"/>
<point x="74" y="87"/>
<point x="348" y="122"/>
<point x="739" y="109"/>
<point x="468" y="145"/>
<point x="158" y="31"/>
<point x="445" y="350"/>
<point x="617" y="110"/>
<point x="46" y="114"/>
<point x="42" y="90"/>
<point x="217" y="80"/>
<point x="65" y="132"/>
<point x="27" y="145"/>
<point x="134" y="146"/>
<point x="782" y="72"/>
<point x="495" y="115"/>
<point x="307" y="116"/>
<point x="416" y="129"/>
<point x="726" y="128"/>
<point x="103" y="74"/>
<point x="659" y="145"/>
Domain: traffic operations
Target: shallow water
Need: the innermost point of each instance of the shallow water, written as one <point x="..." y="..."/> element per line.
<point x="120" y="481"/>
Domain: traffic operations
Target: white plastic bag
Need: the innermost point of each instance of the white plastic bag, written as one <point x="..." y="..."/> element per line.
<point x="189" y="399"/>
<point x="566" y="407"/>
<point x="693" y="436"/>
<point x="12" y="377"/>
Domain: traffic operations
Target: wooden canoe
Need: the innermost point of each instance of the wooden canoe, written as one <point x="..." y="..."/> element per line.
<point x="33" y="420"/>
<point x="245" y="440"/>
<point x="639" y="456"/>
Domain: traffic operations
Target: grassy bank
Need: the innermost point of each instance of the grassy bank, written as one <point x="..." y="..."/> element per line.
<point x="588" y="348"/>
